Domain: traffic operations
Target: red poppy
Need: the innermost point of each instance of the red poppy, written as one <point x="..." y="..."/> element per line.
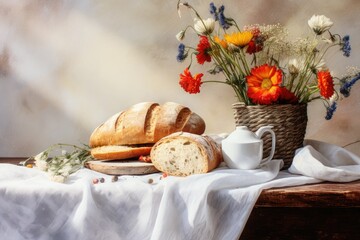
<point x="189" y="83"/>
<point x="263" y="84"/>
<point x="253" y="47"/>
<point x="287" y="97"/>
<point x="203" y="49"/>
<point x="257" y="42"/>
<point x="325" y="84"/>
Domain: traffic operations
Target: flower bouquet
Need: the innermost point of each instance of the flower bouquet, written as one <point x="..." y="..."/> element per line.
<point x="60" y="160"/>
<point x="266" y="68"/>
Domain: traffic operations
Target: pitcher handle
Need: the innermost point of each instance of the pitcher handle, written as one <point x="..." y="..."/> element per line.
<point x="259" y="133"/>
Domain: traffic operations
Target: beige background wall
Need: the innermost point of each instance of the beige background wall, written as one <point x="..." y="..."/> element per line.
<point x="66" y="66"/>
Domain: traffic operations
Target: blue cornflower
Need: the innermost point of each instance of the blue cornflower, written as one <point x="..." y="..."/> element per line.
<point x="330" y="111"/>
<point x="346" y="48"/>
<point x="222" y="19"/>
<point x="213" y="11"/>
<point x="346" y="87"/>
<point x="181" y="53"/>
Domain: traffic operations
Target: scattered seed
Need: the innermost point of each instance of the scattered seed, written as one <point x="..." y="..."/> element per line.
<point x="150" y="181"/>
<point x="114" y="178"/>
<point x="102" y="180"/>
<point x="95" y="181"/>
<point x="29" y="165"/>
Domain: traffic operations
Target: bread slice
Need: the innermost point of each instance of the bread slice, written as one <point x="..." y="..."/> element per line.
<point x="183" y="154"/>
<point x="119" y="152"/>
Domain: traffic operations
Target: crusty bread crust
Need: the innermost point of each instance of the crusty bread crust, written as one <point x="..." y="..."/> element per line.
<point x="104" y="134"/>
<point x="146" y="122"/>
<point x="183" y="154"/>
<point x="126" y="127"/>
<point x="216" y="150"/>
<point x="194" y="124"/>
<point x="132" y="128"/>
<point x="172" y="119"/>
<point x="119" y="152"/>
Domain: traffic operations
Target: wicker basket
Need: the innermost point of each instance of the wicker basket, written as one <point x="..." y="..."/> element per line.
<point x="288" y="121"/>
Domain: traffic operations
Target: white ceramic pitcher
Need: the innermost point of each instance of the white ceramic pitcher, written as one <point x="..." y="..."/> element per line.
<point x="243" y="149"/>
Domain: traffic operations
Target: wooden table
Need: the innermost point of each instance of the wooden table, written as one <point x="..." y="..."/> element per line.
<point x="317" y="211"/>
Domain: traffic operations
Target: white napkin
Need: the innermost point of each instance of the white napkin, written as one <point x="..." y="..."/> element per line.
<point x="326" y="162"/>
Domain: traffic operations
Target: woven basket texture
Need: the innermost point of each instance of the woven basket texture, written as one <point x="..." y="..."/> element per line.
<point x="289" y="124"/>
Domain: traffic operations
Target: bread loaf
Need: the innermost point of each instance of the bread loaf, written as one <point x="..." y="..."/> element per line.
<point x="143" y="123"/>
<point x="183" y="154"/>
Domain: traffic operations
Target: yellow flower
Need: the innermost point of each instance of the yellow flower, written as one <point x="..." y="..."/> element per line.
<point x="239" y="39"/>
<point x="221" y="42"/>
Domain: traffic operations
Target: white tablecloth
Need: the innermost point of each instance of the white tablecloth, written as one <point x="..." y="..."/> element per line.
<point x="207" y="206"/>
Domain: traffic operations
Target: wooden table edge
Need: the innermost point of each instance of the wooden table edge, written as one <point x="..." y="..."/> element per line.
<point x="325" y="194"/>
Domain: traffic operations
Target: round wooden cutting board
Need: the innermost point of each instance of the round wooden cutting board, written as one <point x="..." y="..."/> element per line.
<point x="122" y="167"/>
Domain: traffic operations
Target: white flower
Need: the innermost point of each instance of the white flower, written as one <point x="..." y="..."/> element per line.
<point x="76" y="162"/>
<point x="319" y="24"/>
<point x="65" y="170"/>
<point x="204" y="26"/>
<point x="41" y="165"/>
<point x="320" y="66"/>
<point x="40" y="161"/>
<point x="180" y="36"/>
<point x="54" y="162"/>
<point x="294" y="66"/>
<point x="41" y="156"/>
<point x="57" y="178"/>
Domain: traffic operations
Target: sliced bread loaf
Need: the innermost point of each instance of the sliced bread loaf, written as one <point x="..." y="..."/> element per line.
<point x="183" y="154"/>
